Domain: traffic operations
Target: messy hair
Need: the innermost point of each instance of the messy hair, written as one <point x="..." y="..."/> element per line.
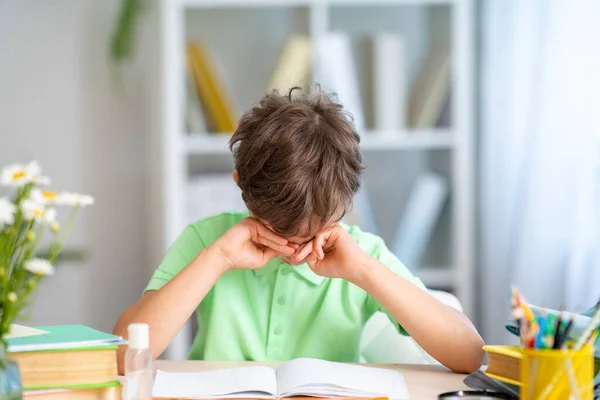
<point x="298" y="160"/>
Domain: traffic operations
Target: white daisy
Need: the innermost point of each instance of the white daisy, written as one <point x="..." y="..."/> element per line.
<point x="35" y="174"/>
<point x="34" y="210"/>
<point x="39" y="266"/>
<point x="14" y="175"/>
<point x="19" y="175"/>
<point x="7" y="212"/>
<point x="47" y="196"/>
<point x="75" y="199"/>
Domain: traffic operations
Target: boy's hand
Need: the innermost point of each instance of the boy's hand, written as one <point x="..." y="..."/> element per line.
<point x="333" y="254"/>
<point x="250" y="245"/>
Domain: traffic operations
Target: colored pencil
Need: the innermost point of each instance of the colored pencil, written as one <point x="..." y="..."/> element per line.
<point x="550" y="333"/>
<point x="564" y="338"/>
<point x="556" y="344"/>
<point x="519" y="317"/>
<point x="539" y="343"/>
<point x="523" y="303"/>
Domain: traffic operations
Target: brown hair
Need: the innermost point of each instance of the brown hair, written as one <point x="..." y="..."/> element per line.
<point x="298" y="160"/>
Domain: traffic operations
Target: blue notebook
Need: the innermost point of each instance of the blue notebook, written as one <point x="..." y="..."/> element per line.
<point x="62" y="337"/>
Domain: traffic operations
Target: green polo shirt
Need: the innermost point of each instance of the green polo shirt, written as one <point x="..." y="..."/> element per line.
<point x="278" y="312"/>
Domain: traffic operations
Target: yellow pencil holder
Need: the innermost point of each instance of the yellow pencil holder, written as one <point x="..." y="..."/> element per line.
<point x="557" y="374"/>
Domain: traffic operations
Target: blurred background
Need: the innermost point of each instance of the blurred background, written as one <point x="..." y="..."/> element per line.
<point x="479" y="123"/>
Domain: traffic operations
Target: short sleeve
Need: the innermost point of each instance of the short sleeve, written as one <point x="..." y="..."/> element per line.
<point x="383" y="254"/>
<point x="185" y="248"/>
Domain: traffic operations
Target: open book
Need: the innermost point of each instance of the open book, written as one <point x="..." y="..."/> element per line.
<point x="299" y="377"/>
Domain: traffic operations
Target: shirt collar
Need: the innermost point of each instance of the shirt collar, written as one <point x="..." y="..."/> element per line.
<point x="303" y="270"/>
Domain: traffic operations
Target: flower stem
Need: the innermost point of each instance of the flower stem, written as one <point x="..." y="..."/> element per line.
<point x="57" y="248"/>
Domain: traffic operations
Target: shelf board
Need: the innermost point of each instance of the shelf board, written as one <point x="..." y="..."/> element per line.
<point x="198" y="144"/>
<point x="216" y="143"/>
<point x="436" y="277"/>
<point x="372" y="3"/>
<point x="417" y="139"/>
<point x="244" y="3"/>
<point x="305" y="3"/>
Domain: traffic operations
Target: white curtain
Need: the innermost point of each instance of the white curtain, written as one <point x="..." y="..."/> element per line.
<point x="540" y="129"/>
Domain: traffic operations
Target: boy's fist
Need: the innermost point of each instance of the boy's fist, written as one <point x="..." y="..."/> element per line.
<point x="250" y="245"/>
<point x="333" y="254"/>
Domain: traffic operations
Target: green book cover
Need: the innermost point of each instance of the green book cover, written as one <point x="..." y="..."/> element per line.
<point x="74" y="387"/>
<point x="61" y="337"/>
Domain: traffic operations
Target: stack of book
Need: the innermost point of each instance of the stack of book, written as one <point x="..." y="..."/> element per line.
<point x="504" y="363"/>
<point x="66" y="362"/>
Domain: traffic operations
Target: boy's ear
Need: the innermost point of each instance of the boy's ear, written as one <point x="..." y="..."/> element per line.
<point x="235" y="176"/>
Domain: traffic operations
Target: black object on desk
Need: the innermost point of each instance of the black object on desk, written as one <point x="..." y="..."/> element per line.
<point x="475" y="395"/>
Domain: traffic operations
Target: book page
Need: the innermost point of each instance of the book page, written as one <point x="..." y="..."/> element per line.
<point x="242" y="382"/>
<point x="312" y="377"/>
<point x="18" y="331"/>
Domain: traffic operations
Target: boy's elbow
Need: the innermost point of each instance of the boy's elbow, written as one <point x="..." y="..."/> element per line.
<point x="469" y="365"/>
<point x="471" y="359"/>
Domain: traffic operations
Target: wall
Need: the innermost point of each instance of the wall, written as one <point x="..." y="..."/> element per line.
<point x="60" y="105"/>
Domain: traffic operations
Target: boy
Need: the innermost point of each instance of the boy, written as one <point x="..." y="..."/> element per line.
<point x="287" y="279"/>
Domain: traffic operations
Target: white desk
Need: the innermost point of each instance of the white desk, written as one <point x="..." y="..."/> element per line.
<point x="424" y="382"/>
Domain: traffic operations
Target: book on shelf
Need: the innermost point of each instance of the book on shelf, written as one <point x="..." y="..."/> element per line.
<point x="444" y="119"/>
<point x="293" y="67"/>
<point x="389" y="82"/>
<point x="336" y="72"/>
<point x="430" y="90"/>
<point x="211" y="194"/>
<point x="220" y="110"/>
<point x="195" y="121"/>
<point x="504" y="363"/>
<point x="295" y="378"/>
<point x="419" y="218"/>
<point x="65" y="357"/>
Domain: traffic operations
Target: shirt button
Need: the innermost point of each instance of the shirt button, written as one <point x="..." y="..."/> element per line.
<point x="278" y="330"/>
<point x="286" y="271"/>
<point x="281" y="300"/>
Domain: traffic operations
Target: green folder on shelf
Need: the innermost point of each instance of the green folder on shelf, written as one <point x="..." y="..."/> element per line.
<point x="59" y="337"/>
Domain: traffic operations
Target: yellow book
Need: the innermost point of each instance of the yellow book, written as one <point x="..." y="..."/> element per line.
<point x="71" y="367"/>
<point x="293" y="66"/>
<point x="219" y="107"/>
<point x="504" y="363"/>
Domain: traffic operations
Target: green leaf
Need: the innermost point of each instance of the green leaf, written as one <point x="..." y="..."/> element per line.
<point x="67" y="255"/>
<point x="123" y="36"/>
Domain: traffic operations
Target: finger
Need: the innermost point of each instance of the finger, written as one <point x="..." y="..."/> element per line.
<point x="320" y="241"/>
<point x="280" y="248"/>
<point x="269" y="254"/>
<point x="312" y="258"/>
<point x="312" y="262"/>
<point x="303" y="252"/>
<point x="269" y="234"/>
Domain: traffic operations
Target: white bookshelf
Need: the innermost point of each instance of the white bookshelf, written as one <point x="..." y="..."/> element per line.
<point x="171" y="148"/>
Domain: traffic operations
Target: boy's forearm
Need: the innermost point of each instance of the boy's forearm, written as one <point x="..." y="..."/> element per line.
<point x="445" y="333"/>
<point x="167" y="309"/>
